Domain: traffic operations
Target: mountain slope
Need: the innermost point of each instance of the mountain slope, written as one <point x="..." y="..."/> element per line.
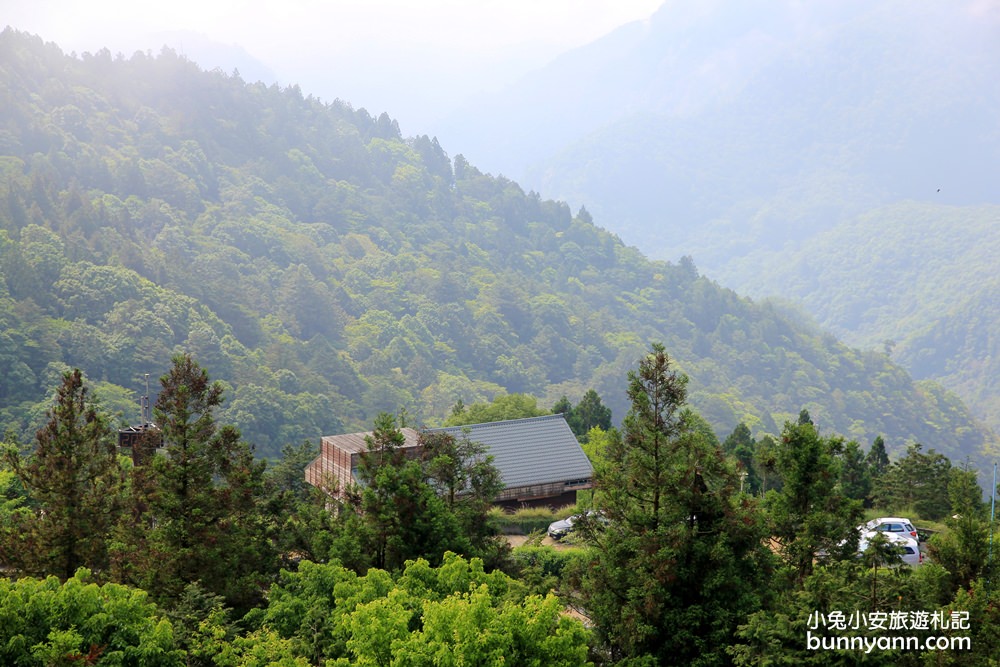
<point x="721" y="126"/>
<point x="916" y="277"/>
<point x="779" y="144"/>
<point x="325" y="269"/>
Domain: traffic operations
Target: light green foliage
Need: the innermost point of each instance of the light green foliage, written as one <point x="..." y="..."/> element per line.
<point x="261" y="648"/>
<point x="507" y="406"/>
<point x="542" y="569"/>
<point x="597" y="444"/>
<point x="455" y="614"/>
<point x="45" y="622"/>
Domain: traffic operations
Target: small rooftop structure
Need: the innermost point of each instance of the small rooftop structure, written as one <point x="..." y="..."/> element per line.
<point x="140" y="442"/>
<point x="539" y="458"/>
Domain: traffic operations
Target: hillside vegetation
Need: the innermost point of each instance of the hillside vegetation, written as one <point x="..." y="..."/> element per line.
<point x="804" y="151"/>
<point x="923" y="286"/>
<point x="327" y="268"/>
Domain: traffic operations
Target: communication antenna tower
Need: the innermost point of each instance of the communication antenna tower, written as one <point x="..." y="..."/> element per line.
<point x="144" y="404"/>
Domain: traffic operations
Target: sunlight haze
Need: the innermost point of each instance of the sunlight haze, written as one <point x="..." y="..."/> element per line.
<point x="416" y="61"/>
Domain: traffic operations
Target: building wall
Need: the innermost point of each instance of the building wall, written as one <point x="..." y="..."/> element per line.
<point x="331" y="469"/>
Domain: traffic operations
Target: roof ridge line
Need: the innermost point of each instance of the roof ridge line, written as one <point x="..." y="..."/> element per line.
<point x="502" y="422"/>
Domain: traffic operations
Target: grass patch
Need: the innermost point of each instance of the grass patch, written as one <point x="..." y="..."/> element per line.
<point x="528" y="520"/>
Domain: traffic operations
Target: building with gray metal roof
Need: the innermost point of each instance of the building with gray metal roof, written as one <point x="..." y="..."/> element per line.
<point x="539" y="458"/>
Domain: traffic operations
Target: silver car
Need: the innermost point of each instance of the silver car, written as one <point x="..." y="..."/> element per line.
<point x="559" y="529"/>
<point x="909" y="548"/>
<point x="891" y="525"/>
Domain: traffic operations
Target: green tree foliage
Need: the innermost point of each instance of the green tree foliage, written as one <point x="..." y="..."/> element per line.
<point x="201" y="625"/>
<point x="507" y="406"/>
<point x="678" y="558"/>
<point x="810" y="513"/>
<point x="327" y="269"/>
<point x="855" y="474"/>
<point x="197" y="504"/>
<point x="925" y="282"/>
<point x="740" y="444"/>
<point x="777" y="635"/>
<point x="48" y="622"/>
<point x="589" y="413"/>
<point x="398" y="515"/>
<point x="73" y="481"/>
<point x="598" y="443"/>
<point x="917" y="481"/>
<point x="877" y="458"/>
<point x="463" y="474"/>
<point x="453" y="614"/>
<point x="964" y="549"/>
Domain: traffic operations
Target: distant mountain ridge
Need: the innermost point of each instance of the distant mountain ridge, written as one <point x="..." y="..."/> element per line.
<point x="714" y="113"/>
<point x="925" y="286"/>
<point x="325" y="268"/>
<point x="754" y="136"/>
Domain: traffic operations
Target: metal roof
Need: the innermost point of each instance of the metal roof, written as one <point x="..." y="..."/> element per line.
<point x="534" y="450"/>
<point x="355" y="442"/>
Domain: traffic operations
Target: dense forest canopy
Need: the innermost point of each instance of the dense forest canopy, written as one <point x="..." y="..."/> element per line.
<point x="842" y="155"/>
<point x="288" y="267"/>
<point x="325" y="268"/>
<point x="923" y="288"/>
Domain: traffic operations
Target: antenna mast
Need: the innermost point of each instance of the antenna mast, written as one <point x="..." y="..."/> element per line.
<point x="144" y="405"/>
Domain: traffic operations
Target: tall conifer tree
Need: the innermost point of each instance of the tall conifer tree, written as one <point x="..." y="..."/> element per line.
<point x="678" y="558"/>
<point x="73" y="480"/>
<point x="201" y="497"/>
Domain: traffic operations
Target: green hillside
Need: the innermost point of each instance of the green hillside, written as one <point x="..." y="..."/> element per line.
<point x="925" y="284"/>
<point x="327" y="268"/>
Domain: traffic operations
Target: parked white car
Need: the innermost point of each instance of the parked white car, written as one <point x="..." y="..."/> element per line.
<point x="561" y="528"/>
<point x="909" y="547"/>
<point x="890" y="525"/>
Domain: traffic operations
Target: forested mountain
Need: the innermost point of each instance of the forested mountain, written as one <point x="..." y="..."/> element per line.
<point x="327" y="268"/>
<point x="711" y="129"/>
<point x="811" y="151"/>
<point x="924" y="286"/>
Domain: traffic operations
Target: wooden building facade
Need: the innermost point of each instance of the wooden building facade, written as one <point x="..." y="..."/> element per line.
<point x="539" y="459"/>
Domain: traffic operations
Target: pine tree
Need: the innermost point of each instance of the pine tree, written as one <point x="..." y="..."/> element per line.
<point x="199" y="499"/>
<point x="678" y="557"/>
<point x="463" y="474"/>
<point x="398" y="515"/>
<point x="73" y="480"/>
<point x="917" y="482"/>
<point x="810" y="512"/>
<point x="740" y="444"/>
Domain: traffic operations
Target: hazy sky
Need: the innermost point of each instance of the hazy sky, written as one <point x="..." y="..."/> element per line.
<point x="415" y="59"/>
